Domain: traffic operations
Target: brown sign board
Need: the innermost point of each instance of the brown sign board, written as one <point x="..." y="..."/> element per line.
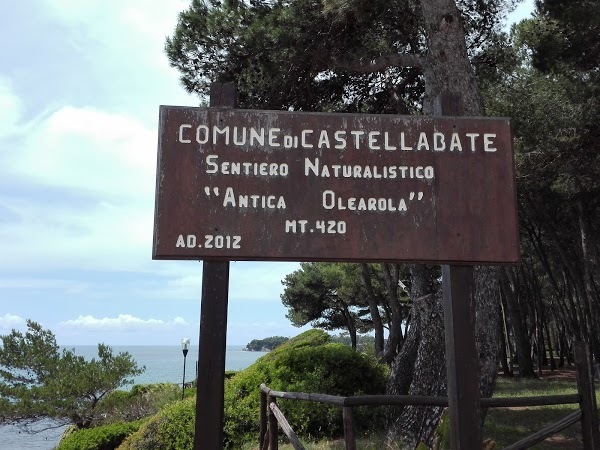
<point x="289" y="186"/>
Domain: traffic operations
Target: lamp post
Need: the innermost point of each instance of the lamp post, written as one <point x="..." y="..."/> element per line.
<point x="185" y="346"/>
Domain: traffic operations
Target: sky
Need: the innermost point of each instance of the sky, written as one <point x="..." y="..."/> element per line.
<point x="80" y="87"/>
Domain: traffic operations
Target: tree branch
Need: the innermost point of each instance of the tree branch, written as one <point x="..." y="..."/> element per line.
<point x="380" y="63"/>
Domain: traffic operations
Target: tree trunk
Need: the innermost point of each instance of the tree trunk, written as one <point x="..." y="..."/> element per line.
<point x="416" y="423"/>
<point x="563" y="350"/>
<point x="487" y="331"/>
<point x="588" y="264"/>
<point x="503" y="353"/>
<point x="395" y="337"/>
<point x="551" y="360"/>
<point x="522" y="344"/>
<point x="508" y="351"/>
<point x="571" y="264"/>
<point x="446" y="68"/>
<point x="350" y="325"/>
<point x="374" y="310"/>
<point x="401" y="374"/>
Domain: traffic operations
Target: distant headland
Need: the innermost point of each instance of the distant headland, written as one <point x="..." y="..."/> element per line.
<point x="266" y="344"/>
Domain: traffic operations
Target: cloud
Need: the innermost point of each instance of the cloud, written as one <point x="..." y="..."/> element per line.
<point x="135" y="17"/>
<point x="79" y="190"/>
<point x="97" y="30"/>
<point x="77" y="181"/>
<point x="78" y="135"/>
<point x="123" y="322"/>
<point x="260" y="280"/>
<point x="43" y="284"/>
<point x="10" y="108"/>
<point x="249" y="281"/>
<point x="109" y="155"/>
<point x="10" y="321"/>
<point x="193" y="282"/>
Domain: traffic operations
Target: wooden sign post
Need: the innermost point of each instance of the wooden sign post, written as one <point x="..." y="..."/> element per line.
<point x="294" y="186"/>
<point x="462" y="359"/>
<point x="213" y="329"/>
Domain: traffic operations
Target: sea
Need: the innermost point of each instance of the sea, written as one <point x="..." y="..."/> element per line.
<point x="164" y="364"/>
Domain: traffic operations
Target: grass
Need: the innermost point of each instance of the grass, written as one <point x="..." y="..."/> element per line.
<point x="374" y="442"/>
<point x="509" y="425"/>
<point x="504" y="425"/>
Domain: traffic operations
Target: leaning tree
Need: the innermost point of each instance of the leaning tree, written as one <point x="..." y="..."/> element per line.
<point x="39" y="381"/>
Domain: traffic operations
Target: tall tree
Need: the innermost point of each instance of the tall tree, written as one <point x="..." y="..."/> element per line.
<point x="550" y="84"/>
<point x="329" y="296"/>
<point x="357" y="297"/>
<point x="376" y="56"/>
<point x="37" y="380"/>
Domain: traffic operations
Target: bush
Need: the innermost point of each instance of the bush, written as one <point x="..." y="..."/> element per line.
<point x="141" y="401"/>
<point x="307" y="363"/>
<point x="170" y="429"/>
<point x="105" y="437"/>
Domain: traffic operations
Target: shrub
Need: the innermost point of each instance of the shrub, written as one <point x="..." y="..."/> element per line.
<point x="307" y="363"/>
<point x="170" y="429"/>
<point x="141" y="401"/>
<point x="104" y="437"/>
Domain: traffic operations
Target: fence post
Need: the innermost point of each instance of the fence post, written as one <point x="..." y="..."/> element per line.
<point x="349" y="435"/>
<point x="587" y="394"/>
<point x="263" y="418"/>
<point x="273" y="426"/>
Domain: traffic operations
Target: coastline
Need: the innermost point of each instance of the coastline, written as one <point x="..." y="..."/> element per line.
<point x="164" y="364"/>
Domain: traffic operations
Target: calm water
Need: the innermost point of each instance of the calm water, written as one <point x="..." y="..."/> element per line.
<point x="164" y="364"/>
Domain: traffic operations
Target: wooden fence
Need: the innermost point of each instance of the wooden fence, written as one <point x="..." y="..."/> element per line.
<point x="271" y="417"/>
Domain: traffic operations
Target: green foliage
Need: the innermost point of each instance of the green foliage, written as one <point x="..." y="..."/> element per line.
<point x="326" y="295"/>
<point x="282" y="54"/>
<point x="356" y="298"/>
<point x="303" y="55"/>
<point x="550" y="88"/>
<point x="365" y="343"/>
<point x="257" y="345"/>
<point x="172" y="428"/>
<point x="37" y="381"/>
<point x="441" y="440"/>
<point x="567" y="35"/>
<point x="141" y="401"/>
<point x="307" y="363"/>
<point x="508" y="425"/>
<point x="552" y="97"/>
<point x="105" y="437"/>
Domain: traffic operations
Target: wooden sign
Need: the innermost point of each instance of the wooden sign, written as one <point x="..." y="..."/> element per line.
<point x="269" y="185"/>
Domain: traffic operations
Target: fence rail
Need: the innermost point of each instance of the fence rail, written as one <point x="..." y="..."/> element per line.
<point x="271" y="417"/>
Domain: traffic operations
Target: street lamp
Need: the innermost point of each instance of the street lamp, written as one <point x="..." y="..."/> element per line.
<point x="185" y="346"/>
